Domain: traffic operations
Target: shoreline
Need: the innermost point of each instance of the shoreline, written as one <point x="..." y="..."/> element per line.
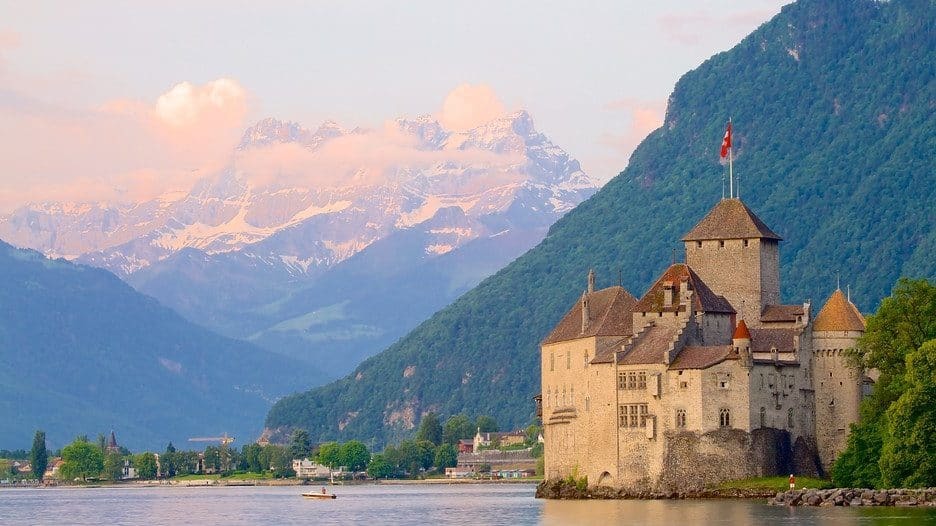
<point x="234" y="482"/>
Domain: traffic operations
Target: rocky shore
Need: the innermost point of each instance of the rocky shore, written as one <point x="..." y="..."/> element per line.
<point x="568" y="490"/>
<point x="855" y="497"/>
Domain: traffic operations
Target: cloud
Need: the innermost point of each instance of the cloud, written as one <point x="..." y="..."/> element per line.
<point x="692" y="28"/>
<point x="364" y="158"/>
<point x="122" y="150"/>
<point x="645" y="116"/>
<point x="469" y="106"/>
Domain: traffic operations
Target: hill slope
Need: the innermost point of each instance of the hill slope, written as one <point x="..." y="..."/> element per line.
<point x="833" y="109"/>
<point x="83" y="353"/>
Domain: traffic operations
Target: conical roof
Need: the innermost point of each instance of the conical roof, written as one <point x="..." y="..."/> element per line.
<point x="741" y="332"/>
<point x="839" y="314"/>
<point x="730" y="219"/>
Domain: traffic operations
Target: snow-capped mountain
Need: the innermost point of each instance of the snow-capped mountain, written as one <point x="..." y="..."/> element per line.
<point x="235" y="252"/>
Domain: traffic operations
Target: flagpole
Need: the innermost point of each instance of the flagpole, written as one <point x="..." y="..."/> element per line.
<point x="730" y="173"/>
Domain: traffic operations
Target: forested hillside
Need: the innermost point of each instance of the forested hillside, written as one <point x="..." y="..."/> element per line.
<point x="833" y="110"/>
<point x="83" y="354"/>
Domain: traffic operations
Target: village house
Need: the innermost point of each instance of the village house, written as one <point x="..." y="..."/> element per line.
<point x="706" y="377"/>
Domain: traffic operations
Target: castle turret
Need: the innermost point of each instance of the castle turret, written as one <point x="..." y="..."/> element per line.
<point x="738" y="256"/>
<point x="741" y="340"/>
<point x="838" y="384"/>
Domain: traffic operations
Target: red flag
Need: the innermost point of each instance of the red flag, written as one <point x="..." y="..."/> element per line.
<point x="726" y="142"/>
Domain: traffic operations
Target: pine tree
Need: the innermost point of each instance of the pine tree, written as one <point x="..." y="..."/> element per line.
<point x="39" y="456"/>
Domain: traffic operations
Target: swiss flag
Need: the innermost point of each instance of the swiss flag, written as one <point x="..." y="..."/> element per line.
<point x="726" y="142"/>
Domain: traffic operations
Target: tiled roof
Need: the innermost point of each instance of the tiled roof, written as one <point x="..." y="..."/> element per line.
<point x="741" y="332"/>
<point x="679" y="274"/>
<point x="604" y="351"/>
<point x="730" y="219"/>
<point x="839" y="314"/>
<point x="610" y="314"/>
<point x="649" y="346"/>
<point x="781" y="312"/>
<point x="702" y="357"/>
<point x="764" y="340"/>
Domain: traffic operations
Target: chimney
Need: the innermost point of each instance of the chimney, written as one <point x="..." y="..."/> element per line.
<point x="667" y="294"/>
<point x="591" y="281"/>
<point x="585" y="316"/>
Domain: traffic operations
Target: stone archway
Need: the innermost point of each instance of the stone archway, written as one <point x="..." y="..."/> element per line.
<point x="605" y="479"/>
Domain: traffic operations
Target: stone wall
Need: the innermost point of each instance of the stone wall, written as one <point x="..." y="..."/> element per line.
<point x="856" y="497"/>
<point x="696" y="460"/>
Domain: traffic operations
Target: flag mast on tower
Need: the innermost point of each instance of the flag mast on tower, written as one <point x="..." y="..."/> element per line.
<point x="726" y="151"/>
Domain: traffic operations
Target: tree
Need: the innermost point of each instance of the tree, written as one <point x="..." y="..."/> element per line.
<point x="250" y="453"/>
<point x="145" y="465"/>
<point x="457" y="427"/>
<point x="875" y="455"/>
<point x="908" y="452"/>
<point x="113" y="466"/>
<point x="81" y="459"/>
<point x="486" y="424"/>
<point x="300" y="446"/>
<point x="212" y="459"/>
<point x="532" y="434"/>
<point x="379" y="468"/>
<point x="39" y="456"/>
<point x="354" y="455"/>
<point x="446" y="456"/>
<point x="329" y="454"/>
<point x="430" y="429"/>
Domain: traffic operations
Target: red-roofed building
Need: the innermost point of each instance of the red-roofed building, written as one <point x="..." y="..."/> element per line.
<point x="706" y="377"/>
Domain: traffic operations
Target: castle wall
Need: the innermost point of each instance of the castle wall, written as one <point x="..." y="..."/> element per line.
<point x="748" y="276"/>
<point x="838" y="391"/>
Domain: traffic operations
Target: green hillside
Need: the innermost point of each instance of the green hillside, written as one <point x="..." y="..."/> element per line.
<point x="835" y="146"/>
<point x="83" y="353"/>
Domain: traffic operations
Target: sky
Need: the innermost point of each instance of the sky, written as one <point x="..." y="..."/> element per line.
<point x="111" y="100"/>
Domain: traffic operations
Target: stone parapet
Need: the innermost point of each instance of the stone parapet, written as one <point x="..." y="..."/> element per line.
<point x="855" y="497"/>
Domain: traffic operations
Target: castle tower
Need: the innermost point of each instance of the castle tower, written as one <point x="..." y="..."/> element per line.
<point x="738" y="256"/>
<point x="837" y="384"/>
<point x="741" y="341"/>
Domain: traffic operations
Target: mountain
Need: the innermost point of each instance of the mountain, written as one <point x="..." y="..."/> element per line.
<point x="84" y="353"/>
<point x="285" y="264"/>
<point x="834" y="132"/>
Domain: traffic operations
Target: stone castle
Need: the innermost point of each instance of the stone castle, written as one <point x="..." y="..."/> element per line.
<point x="707" y="377"/>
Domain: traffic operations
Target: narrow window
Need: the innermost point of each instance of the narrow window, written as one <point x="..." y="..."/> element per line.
<point x="622" y="415"/>
<point x="643" y="415"/>
<point x="633" y="416"/>
<point x="680" y="418"/>
<point x="790" y="418"/>
<point x="568" y="359"/>
<point x="552" y="361"/>
<point x="721" y="244"/>
<point x="763" y="417"/>
<point x="586" y="403"/>
<point x="698" y="244"/>
<point x="622" y="380"/>
<point x="641" y="380"/>
<point x="724" y="418"/>
<point x="745" y="243"/>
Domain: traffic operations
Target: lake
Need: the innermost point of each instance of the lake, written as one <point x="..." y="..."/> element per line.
<point x="403" y="504"/>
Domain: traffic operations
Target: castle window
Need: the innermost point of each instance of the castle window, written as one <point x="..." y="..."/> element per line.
<point x="790" y="418"/>
<point x="721" y="244"/>
<point x="586" y="359"/>
<point x="552" y="361"/>
<point x="633" y="415"/>
<point x="643" y="415"/>
<point x="745" y="243"/>
<point x="586" y="403"/>
<point x="632" y="380"/>
<point x="724" y="418"/>
<point x="680" y="418"/>
<point x="698" y="244"/>
<point x="683" y="385"/>
<point x="622" y="380"/>
<point x="722" y="380"/>
<point x="641" y="380"/>
<point x="763" y="417"/>
<point x="568" y="359"/>
<point x="622" y="416"/>
<point x="565" y="394"/>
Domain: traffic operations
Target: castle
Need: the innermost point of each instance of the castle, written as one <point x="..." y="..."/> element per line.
<point x="707" y="377"/>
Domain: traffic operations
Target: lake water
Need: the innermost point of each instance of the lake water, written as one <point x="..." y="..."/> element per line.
<point x="403" y="504"/>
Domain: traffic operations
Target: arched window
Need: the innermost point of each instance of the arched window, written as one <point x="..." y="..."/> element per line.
<point x="724" y="418"/>
<point x="680" y="418"/>
<point x="790" y="418"/>
<point x="763" y="417"/>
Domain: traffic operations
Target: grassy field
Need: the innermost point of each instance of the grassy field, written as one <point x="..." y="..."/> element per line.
<point x="776" y="483"/>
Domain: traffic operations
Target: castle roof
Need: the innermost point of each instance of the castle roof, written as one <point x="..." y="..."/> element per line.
<point x="604" y="351"/>
<point x="765" y="340"/>
<point x="839" y="314"/>
<point x="730" y="219"/>
<point x="702" y="357"/>
<point x="779" y="313"/>
<point x="741" y="331"/>
<point x="703" y="299"/>
<point x="609" y="314"/>
<point x="649" y="345"/>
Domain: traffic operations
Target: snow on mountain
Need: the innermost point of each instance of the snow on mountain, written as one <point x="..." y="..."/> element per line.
<point x="483" y="172"/>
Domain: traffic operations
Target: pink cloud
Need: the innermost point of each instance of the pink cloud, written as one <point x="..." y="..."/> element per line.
<point x="122" y="150"/>
<point x="468" y="106"/>
<point x="692" y="27"/>
<point x="645" y="116"/>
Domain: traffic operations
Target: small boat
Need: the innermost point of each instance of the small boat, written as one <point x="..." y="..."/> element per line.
<point x="314" y="495"/>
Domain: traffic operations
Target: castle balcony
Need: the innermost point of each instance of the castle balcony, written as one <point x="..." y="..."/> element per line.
<point x="538" y="400"/>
